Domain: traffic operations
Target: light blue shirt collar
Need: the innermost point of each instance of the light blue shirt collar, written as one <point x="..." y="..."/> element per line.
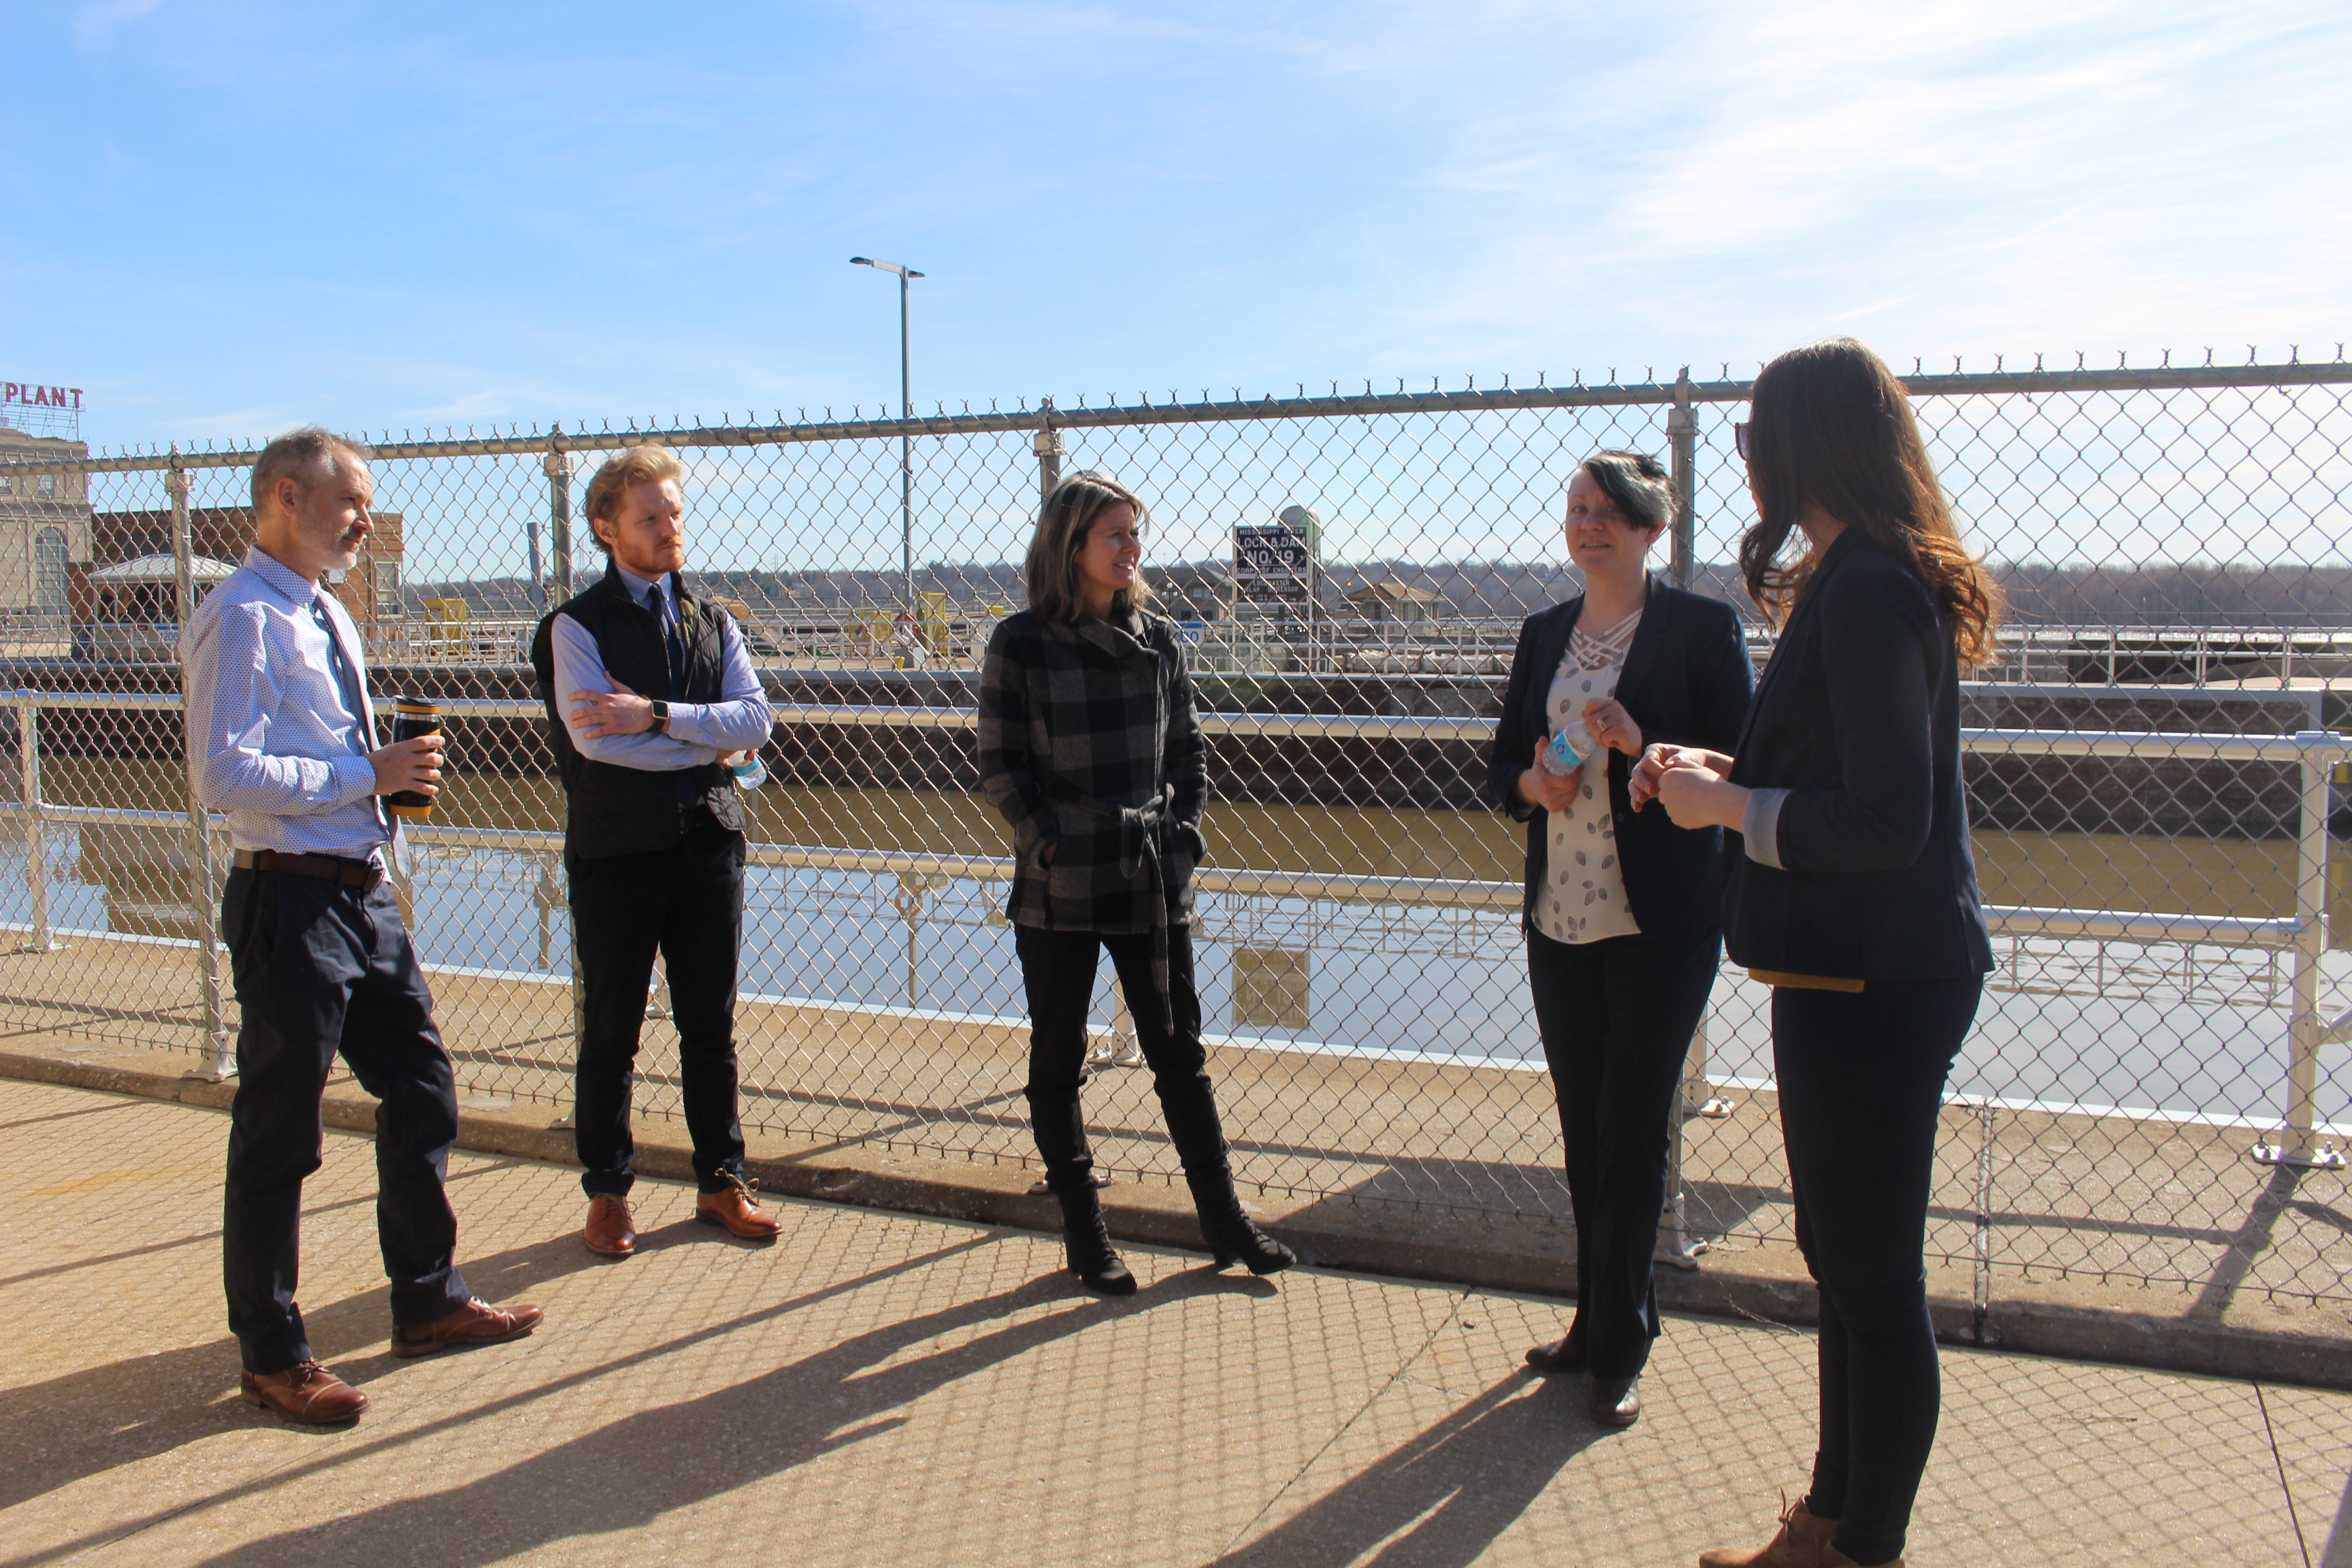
<point x="639" y="587"/>
<point x="284" y="579"/>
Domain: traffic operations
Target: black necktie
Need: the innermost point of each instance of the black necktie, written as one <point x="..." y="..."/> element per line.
<point x="673" y="644"/>
<point x="673" y="655"/>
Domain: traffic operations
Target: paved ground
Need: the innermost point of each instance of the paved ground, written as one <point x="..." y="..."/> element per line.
<point x="883" y="1388"/>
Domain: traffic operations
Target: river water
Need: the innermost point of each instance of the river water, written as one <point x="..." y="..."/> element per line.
<point x="2189" y="1032"/>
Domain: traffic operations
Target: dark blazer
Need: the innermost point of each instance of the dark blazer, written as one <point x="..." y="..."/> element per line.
<point x="1686" y="680"/>
<point x="1858" y="717"/>
<point x="1090" y="740"/>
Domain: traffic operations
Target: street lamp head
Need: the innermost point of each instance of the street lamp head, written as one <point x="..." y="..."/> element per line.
<point x="890" y="266"/>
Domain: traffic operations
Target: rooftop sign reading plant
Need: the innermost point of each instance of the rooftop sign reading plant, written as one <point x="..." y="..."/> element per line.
<point x="41" y="410"/>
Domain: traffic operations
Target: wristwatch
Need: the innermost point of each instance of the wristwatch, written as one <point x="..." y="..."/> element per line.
<point x="661" y="717"/>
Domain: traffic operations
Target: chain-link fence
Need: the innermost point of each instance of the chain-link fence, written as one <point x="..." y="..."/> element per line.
<point x="2152" y="1081"/>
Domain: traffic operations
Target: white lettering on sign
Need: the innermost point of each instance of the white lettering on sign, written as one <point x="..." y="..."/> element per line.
<point x="1270" y="550"/>
<point x="35" y="397"/>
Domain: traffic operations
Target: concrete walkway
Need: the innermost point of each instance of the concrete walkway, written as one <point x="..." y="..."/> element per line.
<point x="882" y="1388"/>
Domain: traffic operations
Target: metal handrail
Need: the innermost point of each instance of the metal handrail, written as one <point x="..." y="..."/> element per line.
<point x="2315" y="751"/>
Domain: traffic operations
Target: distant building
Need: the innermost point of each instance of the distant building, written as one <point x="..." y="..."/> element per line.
<point x="45" y="528"/>
<point x="117" y="583"/>
<point x="134" y="613"/>
<point x="1397" y="603"/>
<point x="1189" y="591"/>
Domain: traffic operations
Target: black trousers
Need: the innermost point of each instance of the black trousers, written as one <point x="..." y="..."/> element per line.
<point x="685" y="902"/>
<point x="1862" y="1082"/>
<point x="320" y="968"/>
<point x="1616" y="1017"/>
<point x="1057" y="969"/>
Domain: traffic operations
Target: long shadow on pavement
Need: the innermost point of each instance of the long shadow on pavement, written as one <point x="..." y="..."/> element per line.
<point x="1465" y="1479"/>
<point x="625" y="1474"/>
<point x="126" y="1411"/>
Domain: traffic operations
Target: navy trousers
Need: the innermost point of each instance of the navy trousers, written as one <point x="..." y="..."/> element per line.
<point x="1616" y="1017"/>
<point x="685" y="902"/>
<point x="317" y="969"/>
<point x="1861" y="1084"/>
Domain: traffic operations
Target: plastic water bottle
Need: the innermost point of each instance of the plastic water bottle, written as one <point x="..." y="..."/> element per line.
<point x="1570" y="748"/>
<point x="751" y="773"/>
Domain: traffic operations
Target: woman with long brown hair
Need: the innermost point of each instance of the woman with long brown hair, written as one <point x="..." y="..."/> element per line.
<point x="1091" y="746"/>
<point x="1853" y="894"/>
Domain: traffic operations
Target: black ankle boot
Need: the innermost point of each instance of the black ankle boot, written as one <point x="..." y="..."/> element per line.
<point x="1232" y="1236"/>
<point x="1087" y="1240"/>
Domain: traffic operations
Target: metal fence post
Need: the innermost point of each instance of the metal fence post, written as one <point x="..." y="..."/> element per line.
<point x="217" y="1063"/>
<point x="1683" y="1252"/>
<point x="1681" y="435"/>
<point x="1981" y="1293"/>
<point x="531" y="535"/>
<point x="559" y="520"/>
<point x="37" y="860"/>
<point x="2305" y="1032"/>
<point x="1047" y="445"/>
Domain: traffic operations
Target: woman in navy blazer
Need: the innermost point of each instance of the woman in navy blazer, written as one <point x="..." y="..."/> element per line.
<point x="1852" y="892"/>
<point x="1623" y="912"/>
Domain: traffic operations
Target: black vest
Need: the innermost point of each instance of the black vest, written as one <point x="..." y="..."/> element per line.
<point x="627" y="810"/>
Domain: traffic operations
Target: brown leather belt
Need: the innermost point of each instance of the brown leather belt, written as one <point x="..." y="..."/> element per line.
<point x="364" y="874"/>
<point x="1804" y="982"/>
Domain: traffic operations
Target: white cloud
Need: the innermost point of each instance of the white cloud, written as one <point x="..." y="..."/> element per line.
<point x="97" y="21"/>
<point x="1976" y="176"/>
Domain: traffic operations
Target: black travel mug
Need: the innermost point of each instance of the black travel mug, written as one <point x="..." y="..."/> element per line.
<point x="411" y="717"/>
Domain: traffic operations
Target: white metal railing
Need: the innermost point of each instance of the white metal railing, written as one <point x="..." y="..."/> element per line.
<point x="2314" y="753"/>
<point x="2139" y="659"/>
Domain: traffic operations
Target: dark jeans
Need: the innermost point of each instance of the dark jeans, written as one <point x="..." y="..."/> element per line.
<point x="1057" y="968"/>
<point x="1617" y="1017"/>
<point x="317" y="969"/>
<point x="687" y="902"/>
<point x="1862" y="1081"/>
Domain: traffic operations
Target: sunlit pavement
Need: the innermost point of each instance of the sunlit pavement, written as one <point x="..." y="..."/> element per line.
<point x="881" y="1388"/>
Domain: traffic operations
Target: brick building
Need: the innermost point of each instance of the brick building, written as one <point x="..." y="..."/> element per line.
<point x="114" y="584"/>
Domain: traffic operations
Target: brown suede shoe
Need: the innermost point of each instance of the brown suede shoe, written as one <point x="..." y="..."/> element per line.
<point x="1801" y="1541"/>
<point x="475" y="1323"/>
<point x="309" y="1394"/>
<point x="611" y="1231"/>
<point x="735" y="1209"/>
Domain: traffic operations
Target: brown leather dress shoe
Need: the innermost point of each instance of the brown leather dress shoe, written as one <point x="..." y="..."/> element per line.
<point x="309" y="1394"/>
<point x="1557" y="1355"/>
<point x="475" y="1323"/>
<point x="611" y="1231"/>
<point x="1616" y="1400"/>
<point x="735" y="1209"/>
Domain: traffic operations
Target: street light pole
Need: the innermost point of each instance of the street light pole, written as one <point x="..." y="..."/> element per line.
<point x="906" y="411"/>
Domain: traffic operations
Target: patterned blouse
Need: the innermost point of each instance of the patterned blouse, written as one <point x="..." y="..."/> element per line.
<point x="1583" y="896"/>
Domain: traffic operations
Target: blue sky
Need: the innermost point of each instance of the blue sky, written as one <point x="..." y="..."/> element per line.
<point x="222" y="219"/>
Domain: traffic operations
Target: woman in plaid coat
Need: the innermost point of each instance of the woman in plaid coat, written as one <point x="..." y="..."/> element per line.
<point x="1091" y="747"/>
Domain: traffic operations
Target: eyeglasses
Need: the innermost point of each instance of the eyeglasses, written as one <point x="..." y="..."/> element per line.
<point x="1739" y="439"/>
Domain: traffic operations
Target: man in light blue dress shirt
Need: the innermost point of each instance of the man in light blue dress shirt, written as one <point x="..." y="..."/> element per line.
<point x="281" y="739"/>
